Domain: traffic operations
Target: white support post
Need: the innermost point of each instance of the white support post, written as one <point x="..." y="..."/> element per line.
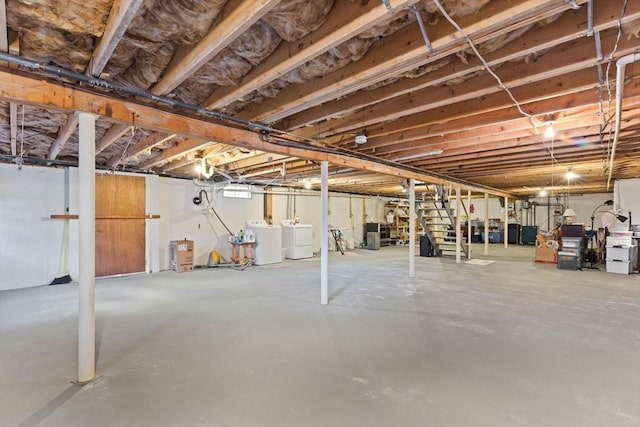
<point x="506" y="222"/>
<point x="486" y="223"/>
<point x="469" y="224"/>
<point x="87" y="231"/>
<point x="412" y="228"/>
<point x="324" y="233"/>
<point x="458" y="240"/>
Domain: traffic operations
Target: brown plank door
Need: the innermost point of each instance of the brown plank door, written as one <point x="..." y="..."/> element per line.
<point x="120" y="240"/>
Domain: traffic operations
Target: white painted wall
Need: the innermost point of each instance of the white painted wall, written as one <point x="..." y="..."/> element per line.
<point x="31" y="242"/>
<point x="181" y="219"/>
<point x="345" y="212"/>
<point x="627" y="198"/>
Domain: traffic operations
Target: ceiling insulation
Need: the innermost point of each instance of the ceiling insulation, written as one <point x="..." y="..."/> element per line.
<point x="417" y="101"/>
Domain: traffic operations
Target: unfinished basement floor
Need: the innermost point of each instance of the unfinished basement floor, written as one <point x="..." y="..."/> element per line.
<point x="507" y="344"/>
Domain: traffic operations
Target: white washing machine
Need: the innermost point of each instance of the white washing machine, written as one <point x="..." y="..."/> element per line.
<point x="298" y="239"/>
<point x="268" y="249"/>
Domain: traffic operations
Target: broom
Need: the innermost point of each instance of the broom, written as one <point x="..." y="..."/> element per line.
<point x="64" y="276"/>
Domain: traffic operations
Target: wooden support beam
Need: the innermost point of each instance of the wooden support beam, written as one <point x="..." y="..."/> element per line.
<point x="346" y="20"/>
<point x="180" y="149"/>
<point x="121" y="14"/>
<point x="114" y="133"/>
<point x="560" y="64"/>
<point x="64" y="134"/>
<point x="73" y="216"/>
<point x="48" y="94"/>
<point x="142" y="145"/>
<point x="408" y="50"/>
<point x="422" y="136"/>
<point x="440" y="120"/>
<point x="189" y="59"/>
<point x="568" y="27"/>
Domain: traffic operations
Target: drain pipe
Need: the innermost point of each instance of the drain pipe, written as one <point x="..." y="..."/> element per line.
<point x="621" y="64"/>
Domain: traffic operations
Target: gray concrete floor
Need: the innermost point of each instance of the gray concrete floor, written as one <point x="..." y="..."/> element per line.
<point x="507" y="344"/>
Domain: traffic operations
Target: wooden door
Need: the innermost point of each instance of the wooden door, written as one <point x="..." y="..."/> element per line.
<point x="120" y="224"/>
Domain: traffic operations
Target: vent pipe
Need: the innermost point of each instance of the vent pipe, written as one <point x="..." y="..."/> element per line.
<point x="621" y="64"/>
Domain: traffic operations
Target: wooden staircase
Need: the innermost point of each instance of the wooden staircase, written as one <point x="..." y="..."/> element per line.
<point x="439" y="223"/>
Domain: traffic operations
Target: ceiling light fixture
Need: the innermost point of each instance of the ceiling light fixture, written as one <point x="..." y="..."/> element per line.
<point x="571" y="175"/>
<point x="543" y="193"/>
<point x="549" y="132"/>
<point x="307" y="185"/>
<point x="203" y="168"/>
<point x="361" y="138"/>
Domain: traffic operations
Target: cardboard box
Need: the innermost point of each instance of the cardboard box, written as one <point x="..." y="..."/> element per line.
<point x="545" y="254"/>
<point x="181" y="255"/>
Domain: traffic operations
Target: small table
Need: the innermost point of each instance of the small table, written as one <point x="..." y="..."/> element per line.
<point x="241" y="252"/>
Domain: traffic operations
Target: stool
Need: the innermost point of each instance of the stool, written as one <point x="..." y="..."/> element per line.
<point x="241" y="252"/>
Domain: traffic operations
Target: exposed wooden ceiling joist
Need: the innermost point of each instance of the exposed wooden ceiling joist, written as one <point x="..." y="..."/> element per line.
<point x="189" y="59"/>
<point x="56" y="96"/>
<point x="346" y="20"/>
<point x="571" y="26"/>
<point x="400" y="52"/>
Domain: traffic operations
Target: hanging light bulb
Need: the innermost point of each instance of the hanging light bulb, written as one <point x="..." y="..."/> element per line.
<point x="549" y="132"/>
<point x="307" y="185"/>
<point x="543" y="193"/>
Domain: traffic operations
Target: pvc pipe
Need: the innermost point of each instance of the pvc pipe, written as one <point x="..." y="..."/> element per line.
<point x="324" y="234"/>
<point x="486" y="223"/>
<point x="621" y="63"/>
<point x="86" y="222"/>
<point x="412" y="225"/>
<point x="458" y="207"/>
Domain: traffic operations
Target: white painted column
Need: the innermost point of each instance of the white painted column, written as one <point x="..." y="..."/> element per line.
<point x="469" y="224"/>
<point x="87" y="247"/>
<point x="506" y="222"/>
<point x="324" y="234"/>
<point x="486" y="223"/>
<point x="458" y="208"/>
<point x="412" y="228"/>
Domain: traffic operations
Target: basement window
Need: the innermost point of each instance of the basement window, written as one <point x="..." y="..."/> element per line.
<point x="236" y="191"/>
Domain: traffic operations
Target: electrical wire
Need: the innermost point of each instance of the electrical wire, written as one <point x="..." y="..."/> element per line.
<point x="495" y="76"/>
<point x="126" y="147"/>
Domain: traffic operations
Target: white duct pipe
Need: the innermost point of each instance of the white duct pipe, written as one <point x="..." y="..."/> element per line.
<point x="621" y="63"/>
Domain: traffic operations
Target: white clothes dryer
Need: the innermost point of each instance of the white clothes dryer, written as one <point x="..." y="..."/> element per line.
<point x="297" y="239"/>
<point x="268" y="249"/>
